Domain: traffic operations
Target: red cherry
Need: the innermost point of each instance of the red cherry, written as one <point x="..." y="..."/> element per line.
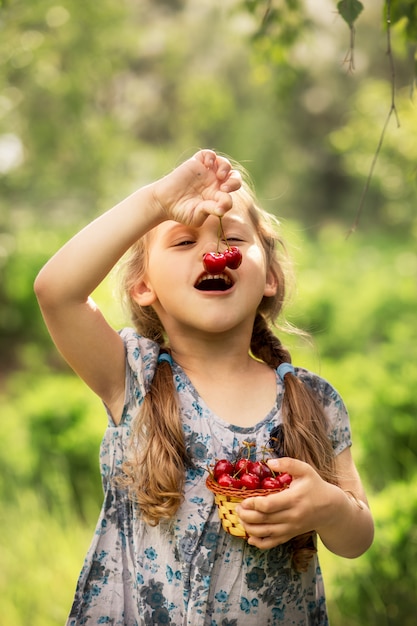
<point x="261" y="469"/>
<point x="250" y="481"/>
<point x="233" y="257"/>
<point x="243" y="466"/>
<point x="223" y="466"/>
<point x="285" y="479"/>
<point x="225" y="480"/>
<point x="214" y="262"/>
<point x="271" y="482"/>
<point x="237" y="483"/>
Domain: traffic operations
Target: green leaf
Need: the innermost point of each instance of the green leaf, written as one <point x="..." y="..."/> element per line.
<point x="350" y="10"/>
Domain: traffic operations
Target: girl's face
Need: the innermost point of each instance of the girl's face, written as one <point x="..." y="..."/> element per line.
<point x="185" y="296"/>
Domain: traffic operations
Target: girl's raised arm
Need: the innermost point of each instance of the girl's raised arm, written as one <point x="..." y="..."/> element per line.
<point x="94" y="350"/>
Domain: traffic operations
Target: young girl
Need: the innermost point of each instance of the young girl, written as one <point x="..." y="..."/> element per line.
<point x="199" y="375"/>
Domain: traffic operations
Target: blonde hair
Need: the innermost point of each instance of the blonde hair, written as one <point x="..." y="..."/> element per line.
<point x="155" y="473"/>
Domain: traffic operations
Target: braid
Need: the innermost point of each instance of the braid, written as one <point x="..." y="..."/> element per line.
<point x="265" y="345"/>
<point x="303" y="433"/>
<point x="155" y="475"/>
<point x="304" y="424"/>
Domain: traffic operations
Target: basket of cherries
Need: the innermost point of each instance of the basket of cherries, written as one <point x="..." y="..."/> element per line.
<point x="231" y="482"/>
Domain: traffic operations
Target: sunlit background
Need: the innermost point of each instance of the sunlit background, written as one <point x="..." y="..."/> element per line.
<point x="97" y="98"/>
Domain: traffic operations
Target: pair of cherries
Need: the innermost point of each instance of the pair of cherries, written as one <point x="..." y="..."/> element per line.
<point x="216" y="262"/>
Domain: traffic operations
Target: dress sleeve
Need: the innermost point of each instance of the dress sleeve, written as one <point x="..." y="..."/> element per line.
<point x="141" y="359"/>
<point x="334" y="408"/>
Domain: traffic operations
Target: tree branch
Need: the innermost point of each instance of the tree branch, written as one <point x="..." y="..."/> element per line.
<point x="392" y="111"/>
<point x="350" y="54"/>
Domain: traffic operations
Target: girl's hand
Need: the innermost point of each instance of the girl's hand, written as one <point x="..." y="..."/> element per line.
<point x="276" y="518"/>
<point x="199" y="187"/>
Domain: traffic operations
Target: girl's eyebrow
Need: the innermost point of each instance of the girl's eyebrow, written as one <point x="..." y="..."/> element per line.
<point x="236" y="221"/>
<point x="175" y="229"/>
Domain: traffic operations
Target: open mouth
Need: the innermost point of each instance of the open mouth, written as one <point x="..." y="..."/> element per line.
<point x="214" y="282"/>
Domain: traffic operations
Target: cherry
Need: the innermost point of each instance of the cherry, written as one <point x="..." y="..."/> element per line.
<point x="243" y="466"/>
<point x="261" y="469"/>
<point x="223" y="466"/>
<point x="285" y="479"/>
<point x="271" y="482"/>
<point x="250" y="481"/>
<point x="237" y="482"/>
<point x="225" y="480"/>
<point x="233" y="257"/>
<point x="214" y="262"/>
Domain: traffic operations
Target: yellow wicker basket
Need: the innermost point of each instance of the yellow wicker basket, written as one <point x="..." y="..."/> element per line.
<point x="227" y="499"/>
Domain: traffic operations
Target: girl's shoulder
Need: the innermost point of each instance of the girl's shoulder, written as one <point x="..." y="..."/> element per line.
<point x="333" y="406"/>
<point x="325" y="391"/>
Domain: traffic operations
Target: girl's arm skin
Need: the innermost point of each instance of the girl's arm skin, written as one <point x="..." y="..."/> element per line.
<point x="342" y="520"/>
<point x="195" y="189"/>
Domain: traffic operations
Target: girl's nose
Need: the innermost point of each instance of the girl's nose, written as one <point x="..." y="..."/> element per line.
<point x="212" y="245"/>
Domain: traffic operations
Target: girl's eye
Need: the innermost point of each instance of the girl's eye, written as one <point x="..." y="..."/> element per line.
<point x="186" y="242"/>
<point x="236" y="239"/>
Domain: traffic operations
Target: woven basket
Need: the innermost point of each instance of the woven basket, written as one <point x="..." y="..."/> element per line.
<point x="227" y="499"/>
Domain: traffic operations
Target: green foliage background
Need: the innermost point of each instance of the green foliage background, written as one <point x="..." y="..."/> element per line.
<point x="98" y="98"/>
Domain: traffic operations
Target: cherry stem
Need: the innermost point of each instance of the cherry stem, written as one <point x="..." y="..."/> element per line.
<point x="248" y="445"/>
<point x="221" y="234"/>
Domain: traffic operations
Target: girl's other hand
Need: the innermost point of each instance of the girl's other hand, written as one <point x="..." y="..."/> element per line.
<point x="276" y="518"/>
<point x="339" y="514"/>
<point x="197" y="188"/>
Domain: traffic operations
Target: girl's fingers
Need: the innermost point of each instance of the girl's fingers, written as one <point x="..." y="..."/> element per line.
<point x="207" y="157"/>
<point x="266" y="543"/>
<point x="222" y="168"/>
<point x="199" y="187"/>
<point x="233" y="182"/>
<point x="219" y="206"/>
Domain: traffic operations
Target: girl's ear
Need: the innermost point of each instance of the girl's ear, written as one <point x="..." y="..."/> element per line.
<point x="271" y="284"/>
<point x="143" y="294"/>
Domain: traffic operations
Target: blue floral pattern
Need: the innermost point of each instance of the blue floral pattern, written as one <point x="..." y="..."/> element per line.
<point x="189" y="572"/>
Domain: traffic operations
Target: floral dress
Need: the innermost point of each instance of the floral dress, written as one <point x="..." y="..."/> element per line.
<point x="189" y="571"/>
